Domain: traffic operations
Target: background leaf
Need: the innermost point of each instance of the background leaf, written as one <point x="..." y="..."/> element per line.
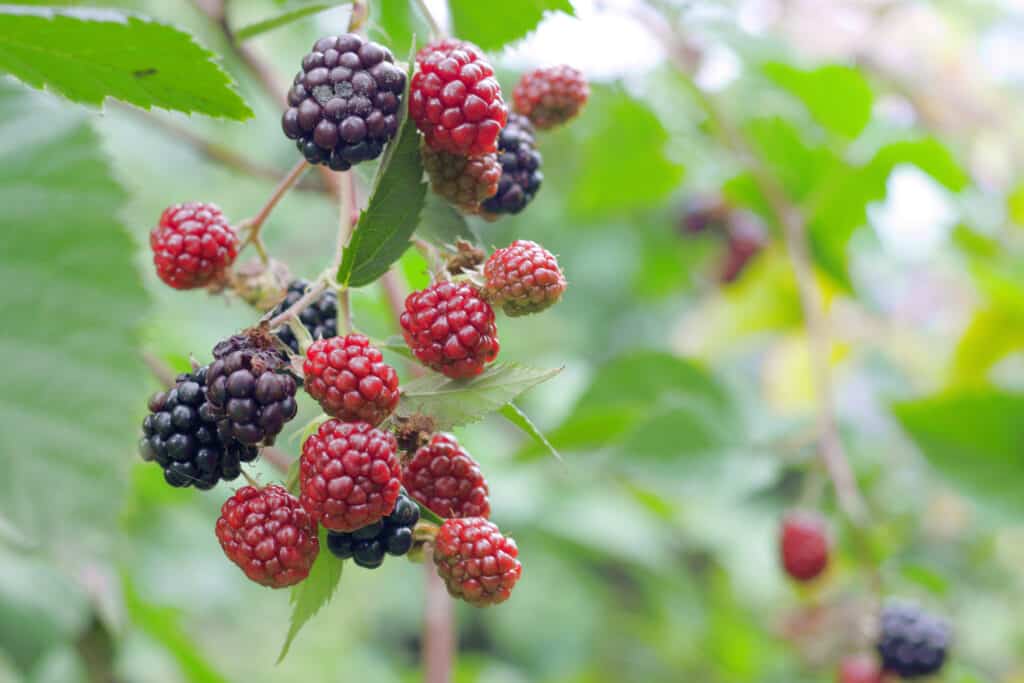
<point x="385" y="226"/>
<point x="512" y="413"/>
<point x="104" y="53"/>
<point x="838" y="97"/>
<point x="494" y="25"/>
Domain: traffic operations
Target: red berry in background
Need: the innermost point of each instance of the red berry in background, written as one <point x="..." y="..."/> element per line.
<point x="349" y="475"/>
<point x="804" y="545"/>
<point x="445" y="478"/>
<point x="552" y="95"/>
<point x="860" y="669"/>
<point x="192" y="245"/>
<point x="450" y="328"/>
<point x="268" y="534"/>
<point x="456" y="101"/>
<point x="350" y="380"/>
<point x="522" y="278"/>
<point x="747" y="238"/>
<point x="476" y="563"/>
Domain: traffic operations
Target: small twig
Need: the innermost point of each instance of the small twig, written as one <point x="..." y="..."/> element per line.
<point x="307" y="299"/>
<point x="277" y="458"/>
<point x="255" y="224"/>
<point x="346" y="226"/>
<point x="435" y="27"/>
<point x="161" y="370"/>
<point x="438" y="629"/>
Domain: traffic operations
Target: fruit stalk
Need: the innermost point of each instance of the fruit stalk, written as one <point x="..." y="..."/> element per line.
<point x="255" y="224"/>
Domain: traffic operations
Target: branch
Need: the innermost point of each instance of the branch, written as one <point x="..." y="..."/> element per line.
<point x="794" y="227"/>
<point x="438" y="628"/>
<point x="307" y="299"/>
<point x="255" y="224"/>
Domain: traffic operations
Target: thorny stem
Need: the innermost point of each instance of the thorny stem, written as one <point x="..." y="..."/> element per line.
<point x="794" y="228"/>
<point x="435" y="28"/>
<point x="255" y="224"/>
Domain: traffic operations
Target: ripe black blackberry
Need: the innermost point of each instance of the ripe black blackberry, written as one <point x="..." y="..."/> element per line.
<point x="320" y="318"/>
<point x="391" y="535"/>
<point x="249" y="389"/>
<point x="912" y="642"/>
<point x="520" y="167"/>
<point x="343" y="105"/>
<point x="180" y="435"/>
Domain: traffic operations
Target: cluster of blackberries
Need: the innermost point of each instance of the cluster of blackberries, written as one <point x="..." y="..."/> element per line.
<point x="389" y="536"/>
<point x="520" y="168"/>
<point x="180" y="434"/>
<point x="320" y="317"/>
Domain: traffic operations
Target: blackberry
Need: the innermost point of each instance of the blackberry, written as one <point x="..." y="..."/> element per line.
<point x="912" y="643"/>
<point x="250" y="392"/>
<point x="389" y="536"/>
<point x="343" y="105"/>
<point x="180" y="435"/>
<point x="320" y="318"/>
<point x="520" y="167"/>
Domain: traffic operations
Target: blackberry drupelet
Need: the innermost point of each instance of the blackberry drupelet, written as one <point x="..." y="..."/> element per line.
<point x="249" y="389"/>
<point x="320" y="318"/>
<point x="521" y="177"/>
<point x="343" y="105"/>
<point x="180" y="435"/>
<point x="391" y="535"/>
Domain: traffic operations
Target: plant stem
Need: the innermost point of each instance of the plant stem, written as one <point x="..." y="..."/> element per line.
<point x="311" y="295"/>
<point x="346" y="226"/>
<point x="438" y="628"/>
<point x="435" y="28"/>
<point x="793" y="225"/>
<point x="255" y="224"/>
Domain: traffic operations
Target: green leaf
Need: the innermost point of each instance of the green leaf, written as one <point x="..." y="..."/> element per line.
<point x="686" y="430"/>
<point x="396" y="22"/>
<point x="428" y="514"/>
<point x="454" y="402"/>
<point x="440" y="224"/>
<point x="927" y="578"/>
<point x="928" y="154"/>
<point x="75" y="388"/>
<point x="838" y="97"/>
<point x="270" y="24"/>
<point x="973" y="438"/>
<point x="89" y="55"/>
<point x="494" y="25"/>
<point x="309" y="596"/>
<point x="513" y="414"/>
<point x="634" y="172"/>
<point x="994" y="332"/>
<point x="163" y="625"/>
<point x="385" y="226"/>
<point x="1015" y="205"/>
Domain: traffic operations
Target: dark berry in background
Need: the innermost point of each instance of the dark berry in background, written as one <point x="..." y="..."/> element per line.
<point x="912" y="643"/>
<point x="320" y="318"/>
<point x="249" y="389"/>
<point x="344" y="103"/>
<point x="520" y="167"/>
<point x="180" y="435"/>
<point x="390" y="536"/>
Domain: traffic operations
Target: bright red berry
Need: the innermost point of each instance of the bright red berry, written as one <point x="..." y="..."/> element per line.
<point x="268" y="534"/>
<point x="860" y="669"/>
<point x="475" y="561"/>
<point x="456" y="101"/>
<point x="463" y="181"/>
<point x="349" y="378"/>
<point x="349" y="475"/>
<point x="450" y="328"/>
<point x="192" y="245"/>
<point x="446" y="46"/>
<point x="522" y="278"/>
<point x="552" y="95"/>
<point x="445" y="478"/>
<point x="804" y="545"/>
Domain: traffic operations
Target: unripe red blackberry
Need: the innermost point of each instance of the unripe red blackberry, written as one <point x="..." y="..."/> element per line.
<point x="180" y="435"/>
<point x="522" y="278"/>
<point x="349" y="475"/>
<point x="268" y="535"/>
<point x="343" y="105"/>
<point x="193" y="245"/>
<point x="463" y="181"/>
<point x="446" y="46"/>
<point x="250" y="390"/>
<point x="746" y="240"/>
<point x="859" y="669"/>
<point x="320" y="317"/>
<point x="912" y="642"/>
<point x="450" y="328"/>
<point x="391" y="535"/>
<point x="551" y="96"/>
<point x="476" y="563"/>
<point x="804" y="545"/>
<point x="520" y="168"/>
<point x="445" y="478"/>
<point x="456" y="101"/>
<point x="350" y="380"/>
